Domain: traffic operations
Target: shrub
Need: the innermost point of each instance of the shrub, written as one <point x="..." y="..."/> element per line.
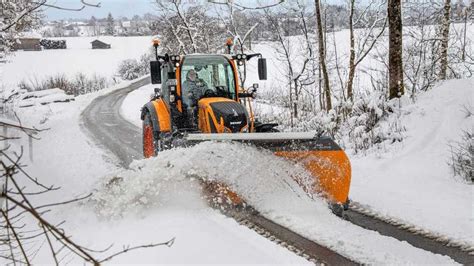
<point x="80" y="84"/>
<point x="132" y="69"/>
<point x="462" y="157"/>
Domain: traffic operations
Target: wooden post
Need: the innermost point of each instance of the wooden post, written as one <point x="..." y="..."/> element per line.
<point x="30" y="146"/>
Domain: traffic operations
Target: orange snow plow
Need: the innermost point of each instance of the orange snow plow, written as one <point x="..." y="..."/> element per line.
<point x="321" y="157"/>
<point x="201" y="99"/>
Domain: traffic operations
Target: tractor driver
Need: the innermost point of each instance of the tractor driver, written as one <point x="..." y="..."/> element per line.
<point x="194" y="87"/>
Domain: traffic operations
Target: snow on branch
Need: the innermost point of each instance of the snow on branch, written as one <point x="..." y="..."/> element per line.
<point x="243" y="7"/>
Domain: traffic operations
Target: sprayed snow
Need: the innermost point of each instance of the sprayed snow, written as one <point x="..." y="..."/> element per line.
<point x="265" y="182"/>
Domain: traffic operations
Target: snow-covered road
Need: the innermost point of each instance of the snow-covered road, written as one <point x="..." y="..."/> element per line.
<point x="103" y="120"/>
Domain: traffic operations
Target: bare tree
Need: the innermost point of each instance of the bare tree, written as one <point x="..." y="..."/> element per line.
<point x="236" y="26"/>
<point x="445" y="38"/>
<point x="186" y="28"/>
<point x="395" y="65"/>
<point x="367" y="42"/>
<point x="297" y="59"/>
<point x="234" y="3"/>
<point x="322" y="55"/>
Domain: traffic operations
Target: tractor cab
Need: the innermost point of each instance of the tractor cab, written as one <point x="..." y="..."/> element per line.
<point x="201" y="93"/>
<point x="206" y="80"/>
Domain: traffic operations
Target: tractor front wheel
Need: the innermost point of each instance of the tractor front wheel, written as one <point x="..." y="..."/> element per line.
<point x="149" y="137"/>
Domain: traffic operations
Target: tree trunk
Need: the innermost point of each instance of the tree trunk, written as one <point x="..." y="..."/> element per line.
<point x="445" y="39"/>
<point x="463" y="57"/>
<point x="295" y="103"/>
<point x="352" y="53"/>
<point x="395" y="65"/>
<point x="322" y="55"/>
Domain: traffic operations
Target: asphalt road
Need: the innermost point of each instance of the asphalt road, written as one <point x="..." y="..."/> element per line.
<point x="103" y="120"/>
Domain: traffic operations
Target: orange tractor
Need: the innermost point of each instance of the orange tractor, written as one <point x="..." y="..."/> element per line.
<point x="201" y="99"/>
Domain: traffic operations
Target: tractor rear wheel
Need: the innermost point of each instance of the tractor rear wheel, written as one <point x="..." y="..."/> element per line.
<point x="149" y="137"/>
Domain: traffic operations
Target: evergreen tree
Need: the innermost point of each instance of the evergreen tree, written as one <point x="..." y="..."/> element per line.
<point x="110" y="28"/>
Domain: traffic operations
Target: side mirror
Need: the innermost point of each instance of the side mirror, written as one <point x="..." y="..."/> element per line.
<point x="262" y="69"/>
<point x="155" y="72"/>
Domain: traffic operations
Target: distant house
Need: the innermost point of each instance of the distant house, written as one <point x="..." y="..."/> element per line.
<point x="100" y="45"/>
<point x="28" y="41"/>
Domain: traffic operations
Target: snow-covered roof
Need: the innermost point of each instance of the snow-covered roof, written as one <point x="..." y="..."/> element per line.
<point x="30" y="35"/>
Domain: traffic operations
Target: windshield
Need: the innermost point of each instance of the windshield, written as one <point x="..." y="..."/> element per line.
<point x="208" y="76"/>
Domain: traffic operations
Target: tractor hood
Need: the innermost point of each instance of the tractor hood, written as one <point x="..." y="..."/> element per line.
<point x="221" y="115"/>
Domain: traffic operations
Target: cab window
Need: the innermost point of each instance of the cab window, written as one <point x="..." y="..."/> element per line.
<point x="203" y="76"/>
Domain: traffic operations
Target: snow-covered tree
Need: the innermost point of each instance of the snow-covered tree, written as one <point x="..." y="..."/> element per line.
<point x="15" y="17"/>
<point x="93" y="23"/>
<point x="187" y="28"/>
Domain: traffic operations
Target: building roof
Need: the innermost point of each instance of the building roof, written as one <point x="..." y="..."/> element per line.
<point x="98" y="41"/>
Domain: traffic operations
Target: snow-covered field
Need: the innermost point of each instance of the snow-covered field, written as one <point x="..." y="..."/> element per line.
<point x="78" y="58"/>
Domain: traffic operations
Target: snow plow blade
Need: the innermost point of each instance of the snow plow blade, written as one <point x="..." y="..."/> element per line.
<point x="321" y="157"/>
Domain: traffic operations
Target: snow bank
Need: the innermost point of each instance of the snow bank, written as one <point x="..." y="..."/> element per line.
<point x="413" y="181"/>
<point x="264" y="181"/>
<point x="44" y="97"/>
<point x="135" y="100"/>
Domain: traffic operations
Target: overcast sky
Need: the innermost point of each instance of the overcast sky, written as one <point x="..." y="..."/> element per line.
<point x="126" y="8"/>
<point x="118" y="8"/>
